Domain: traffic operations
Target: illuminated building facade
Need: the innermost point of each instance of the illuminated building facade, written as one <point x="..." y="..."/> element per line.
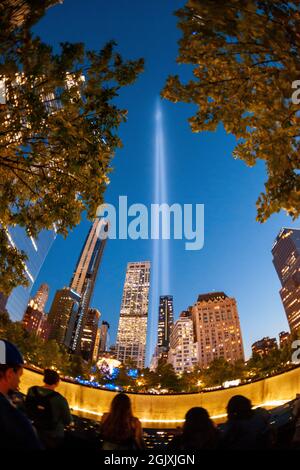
<point x="84" y="279"/>
<point x="65" y="306"/>
<point x="286" y="260"/>
<point x="35" y="322"/>
<point x="95" y="355"/>
<point x="183" y="352"/>
<point x="89" y="333"/>
<point x="217" y="328"/>
<point x="36" y="250"/>
<point x="103" y="343"/>
<point x="264" y="346"/>
<point x="284" y="338"/>
<point x="39" y="300"/>
<point x="132" y="328"/>
<point x="165" y="322"/>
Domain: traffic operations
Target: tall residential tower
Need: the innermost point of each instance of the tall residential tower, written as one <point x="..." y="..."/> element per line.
<point x="217" y="328"/>
<point x="132" y="329"/>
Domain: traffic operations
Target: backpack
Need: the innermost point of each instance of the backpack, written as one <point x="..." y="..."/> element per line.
<point x="40" y="410"/>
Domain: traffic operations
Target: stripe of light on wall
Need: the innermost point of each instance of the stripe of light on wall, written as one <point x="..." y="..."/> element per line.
<point x="273" y="403"/>
<point x="33" y="243"/>
<point x="28" y="273"/>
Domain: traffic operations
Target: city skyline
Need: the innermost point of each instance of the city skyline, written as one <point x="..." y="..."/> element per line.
<point x="149" y="228"/>
<point x="163" y="299"/>
<point x="168" y="296"/>
<point x="236" y="257"/>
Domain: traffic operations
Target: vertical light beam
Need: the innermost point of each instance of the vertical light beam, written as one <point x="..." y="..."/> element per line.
<point x="160" y="248"/>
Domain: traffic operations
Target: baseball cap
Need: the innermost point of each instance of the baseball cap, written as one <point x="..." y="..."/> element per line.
<point x="9" y="354"/>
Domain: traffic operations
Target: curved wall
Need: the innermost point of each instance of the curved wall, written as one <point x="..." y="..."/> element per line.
<point x="169" y="410"/>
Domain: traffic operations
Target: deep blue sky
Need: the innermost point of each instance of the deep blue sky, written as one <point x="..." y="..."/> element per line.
<point x="236" y="257"/>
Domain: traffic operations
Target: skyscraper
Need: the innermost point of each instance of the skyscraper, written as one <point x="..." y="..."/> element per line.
<point x="36" y="322"/>
<point x="39" y="300"/>
<point x="101" y="342"/>
<point x="36" y="250"/>
<point x="65" y="306"/>
<point x="183" y="352"/>
<point x="132" y="329"/>
<point x="103" y="337"/>
<point x="84" y="278"/>
<point x="286" y="259"/>
<point x="89" y="333"/>
<point x="217" y="328"/>
<point x="165" y="322"/>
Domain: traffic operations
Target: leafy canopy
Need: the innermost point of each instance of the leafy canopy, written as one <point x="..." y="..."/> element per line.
<point x="245" y="57"/>
<point x="58" y="134"/>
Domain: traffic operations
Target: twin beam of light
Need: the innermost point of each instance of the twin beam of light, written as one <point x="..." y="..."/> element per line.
<point x="160" y="248"/>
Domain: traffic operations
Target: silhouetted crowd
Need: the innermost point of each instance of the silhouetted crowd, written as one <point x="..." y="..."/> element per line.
<point x="42" y="420"/>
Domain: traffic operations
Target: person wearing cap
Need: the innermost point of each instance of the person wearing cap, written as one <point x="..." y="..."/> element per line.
<point x="48" y="410"/>
<point x="16" y="431"/>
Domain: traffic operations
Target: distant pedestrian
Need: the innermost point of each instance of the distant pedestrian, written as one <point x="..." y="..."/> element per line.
<point x="199" y="432"/>
<point x="16" y="431"/>
<point x="48" y="410"/>
<point x="245" y="428"/>
<point x="120" y="430"/>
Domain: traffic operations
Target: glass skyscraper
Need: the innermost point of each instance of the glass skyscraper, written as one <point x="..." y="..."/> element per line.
<point x="286" y="259"/>
<point x="84" y="279"/>
<point x="36" y="250"/>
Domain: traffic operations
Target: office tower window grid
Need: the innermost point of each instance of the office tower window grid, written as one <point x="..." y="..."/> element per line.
<point x="64" y="307"/>
<point x="286" y="260"/>
<point x="36" y="250"/>
<point x="183" y="352"/>
<point x="84" y="278"/>
<point x="165" y="322"/>
<point x="132" y="329"/>
<point x="217" y="328"/>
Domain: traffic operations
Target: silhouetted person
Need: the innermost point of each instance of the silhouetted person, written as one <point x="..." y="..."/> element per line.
<point x="48" y="410"/>
<point x="16" y="431"/>
<point x="245" y="428"/>
<point x="199" y="432"/>
<point x="296" y="416"/>
<point x="120" y="430"/>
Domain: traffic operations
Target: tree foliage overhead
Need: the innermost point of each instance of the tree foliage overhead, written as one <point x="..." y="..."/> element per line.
<point x="58" y="134"/>
<point x="245" y="55"/>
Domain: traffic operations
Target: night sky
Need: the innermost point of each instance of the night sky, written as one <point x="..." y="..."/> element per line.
<point x="236" y="257"/>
